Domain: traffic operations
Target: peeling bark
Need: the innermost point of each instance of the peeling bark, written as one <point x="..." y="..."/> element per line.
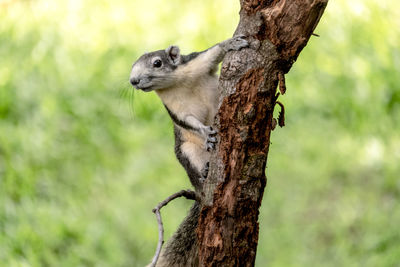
<point x="278" y="30"/>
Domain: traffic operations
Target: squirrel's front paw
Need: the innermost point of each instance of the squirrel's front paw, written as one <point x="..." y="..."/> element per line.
<point x="236" y="43"/>
<point x="211" y="138"/>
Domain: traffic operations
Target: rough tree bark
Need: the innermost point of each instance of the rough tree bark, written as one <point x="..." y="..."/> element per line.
<point x="227" y="225"/>
<point x="278" y="30"/>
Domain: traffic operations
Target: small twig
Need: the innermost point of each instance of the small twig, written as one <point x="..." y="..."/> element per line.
<point x="315" y="34"/>
<point x="282" y="83"/>
<point x="281" y="116"/>
<point x="188" y="194"/>
<point x="273" y="124"/>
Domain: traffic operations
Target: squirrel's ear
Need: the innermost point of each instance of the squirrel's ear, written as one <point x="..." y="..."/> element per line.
<point x="173" y="54"/>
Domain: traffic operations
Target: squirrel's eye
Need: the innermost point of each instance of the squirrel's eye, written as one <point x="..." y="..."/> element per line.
<point x="157" y="63"/>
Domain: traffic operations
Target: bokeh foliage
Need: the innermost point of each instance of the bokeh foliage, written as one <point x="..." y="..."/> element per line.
<point x="84" y="159"/>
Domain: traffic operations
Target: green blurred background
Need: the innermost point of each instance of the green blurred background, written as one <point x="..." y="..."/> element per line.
<point x="84" y="159"/>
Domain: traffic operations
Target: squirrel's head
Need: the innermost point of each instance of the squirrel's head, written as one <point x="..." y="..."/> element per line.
<point x="154" y="70"/>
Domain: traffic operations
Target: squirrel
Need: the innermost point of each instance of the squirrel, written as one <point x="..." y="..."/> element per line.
<point x="188" y="88"/>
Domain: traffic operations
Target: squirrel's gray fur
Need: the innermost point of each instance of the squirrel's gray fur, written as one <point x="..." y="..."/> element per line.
<point x="188" y="88"/>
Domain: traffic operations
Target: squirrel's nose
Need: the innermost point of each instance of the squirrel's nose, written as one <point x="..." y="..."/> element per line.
<point x="134" y="81"/>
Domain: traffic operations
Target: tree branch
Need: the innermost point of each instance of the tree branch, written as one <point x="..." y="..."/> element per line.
<point x="188" y="194"/>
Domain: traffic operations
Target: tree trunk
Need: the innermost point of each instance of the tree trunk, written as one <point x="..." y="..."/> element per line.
<point x="278" y="30"/>
<point x="221" y="229"/>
